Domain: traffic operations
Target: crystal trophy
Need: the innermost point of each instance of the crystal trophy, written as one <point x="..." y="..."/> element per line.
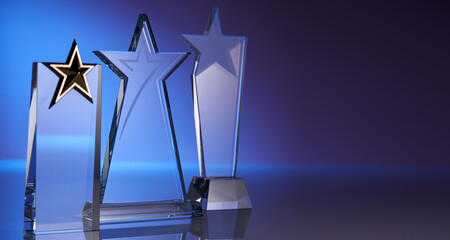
<point x="217" y="88"/>
<point x="63" y="158"/>
<point x="141" y="175"/>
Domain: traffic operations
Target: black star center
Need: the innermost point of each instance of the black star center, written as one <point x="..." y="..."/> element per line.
<point x="72" y="75"/>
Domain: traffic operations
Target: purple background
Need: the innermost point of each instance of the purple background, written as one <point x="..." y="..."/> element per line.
<point x="327" y="82"/>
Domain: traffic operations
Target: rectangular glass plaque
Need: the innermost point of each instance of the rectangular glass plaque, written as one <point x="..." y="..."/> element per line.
<point x="63" y="159"/>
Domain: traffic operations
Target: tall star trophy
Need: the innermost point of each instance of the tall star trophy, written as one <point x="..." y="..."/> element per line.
<point x="141" y="177"/>
<point x="63" y="158"/>
<point x="217" y="89"/>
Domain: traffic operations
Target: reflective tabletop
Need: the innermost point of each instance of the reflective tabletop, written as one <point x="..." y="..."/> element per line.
<point x="289" y="202"/>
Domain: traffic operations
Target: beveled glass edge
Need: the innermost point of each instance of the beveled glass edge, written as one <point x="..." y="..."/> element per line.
<point x="172" y="127"/>
<point x="29" y="199"/>
<point x="32" y="119"/>
<point x="95" y="224"/>
<point x="238" y="113"/>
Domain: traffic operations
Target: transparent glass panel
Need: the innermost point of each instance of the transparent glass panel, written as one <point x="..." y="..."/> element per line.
<point x="63" y="157"/>
<point x="142" y="162"/>
<point x="217" y="78"/>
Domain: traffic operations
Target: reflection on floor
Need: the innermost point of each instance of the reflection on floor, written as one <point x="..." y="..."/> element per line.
<point x="293" y="202"/>
<point x="226" y="224"/>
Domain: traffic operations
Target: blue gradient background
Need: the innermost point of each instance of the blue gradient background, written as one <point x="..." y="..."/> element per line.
<point x="326" y="83"/>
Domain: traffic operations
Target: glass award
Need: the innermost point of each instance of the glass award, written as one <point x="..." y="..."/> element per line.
<point x="141" y="176"/>
<point x="63" y="158"/>
<point x="217" y="88"/>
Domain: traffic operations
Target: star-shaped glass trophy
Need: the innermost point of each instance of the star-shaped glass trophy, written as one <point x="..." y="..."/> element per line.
<point x="63" y="158"/>
<point x="217" y="88"/>
<point x="141" y="176"/>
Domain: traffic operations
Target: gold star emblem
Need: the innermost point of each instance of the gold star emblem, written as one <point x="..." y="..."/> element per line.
<point x="72" y="75"/>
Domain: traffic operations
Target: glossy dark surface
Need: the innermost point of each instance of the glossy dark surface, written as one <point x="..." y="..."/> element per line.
<point x="298" y="202"/>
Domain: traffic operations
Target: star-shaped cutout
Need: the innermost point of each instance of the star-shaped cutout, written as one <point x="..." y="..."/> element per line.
<point x="213" y="47"/>
<point x="72" y="75"/>
<point x="142" y="64"/>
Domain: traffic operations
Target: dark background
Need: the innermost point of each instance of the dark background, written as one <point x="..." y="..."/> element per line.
<point x="326" y="82"/>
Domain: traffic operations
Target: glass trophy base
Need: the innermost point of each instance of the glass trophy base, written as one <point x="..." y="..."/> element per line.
<point x="218" y="193"/>
<point x="111" y="213"/>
